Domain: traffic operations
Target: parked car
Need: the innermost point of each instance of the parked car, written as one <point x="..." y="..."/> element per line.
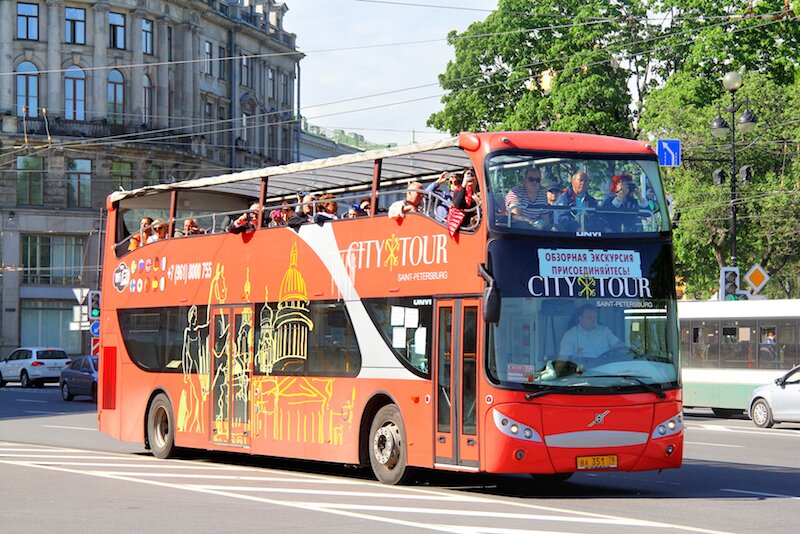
<point x="778" y="402"/>
<point x="79" y="378"/>
<point x="33" y="366"/>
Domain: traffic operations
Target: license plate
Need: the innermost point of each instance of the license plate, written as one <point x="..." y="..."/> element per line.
<point x="608" y="461"/>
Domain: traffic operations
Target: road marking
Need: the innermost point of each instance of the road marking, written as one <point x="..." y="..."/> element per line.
<point x="48" y="412"/>
<point x="761" y="494"/>
<point x="713" y="444"/>
<point x="765" y="432"/>
<point x="71" y="427"/>
<point x="543" y="513"/>
<point x="32" y="400"/>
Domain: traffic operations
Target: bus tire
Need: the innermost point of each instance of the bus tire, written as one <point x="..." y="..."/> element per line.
<point x="387" y="446"/>
<point x="160" y="427"/>
<point x="762" y="414"/>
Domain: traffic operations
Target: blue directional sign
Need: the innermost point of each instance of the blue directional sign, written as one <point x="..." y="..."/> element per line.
<point x="95" y="329"/>
<point x="669" y="152"/>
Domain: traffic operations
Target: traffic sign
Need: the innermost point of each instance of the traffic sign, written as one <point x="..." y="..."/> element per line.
<point x="80" y="294"/>
<point x="95" y="328"/>
<point x="757" y="277"/>
<point x="669" y="152"/>
<point x="95" y="346"/>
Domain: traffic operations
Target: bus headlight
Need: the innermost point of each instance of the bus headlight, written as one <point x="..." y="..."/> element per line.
<point x="515" y="429"/>
<point x="670" y="427"/>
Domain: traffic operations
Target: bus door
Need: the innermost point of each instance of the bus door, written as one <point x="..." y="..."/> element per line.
<point x="455" y="380"/>
<point x="231" y="368"/>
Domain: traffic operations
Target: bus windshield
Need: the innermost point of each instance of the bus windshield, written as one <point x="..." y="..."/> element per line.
<point x="578" y="316"/>
<point x="583" y="195"/>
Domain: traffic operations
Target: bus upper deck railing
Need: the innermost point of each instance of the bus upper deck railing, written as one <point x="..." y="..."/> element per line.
<point x="220" y="222"/>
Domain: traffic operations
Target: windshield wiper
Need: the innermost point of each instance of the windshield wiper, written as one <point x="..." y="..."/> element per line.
<point x="657" y="390"/>
<point x="542" y="392"/>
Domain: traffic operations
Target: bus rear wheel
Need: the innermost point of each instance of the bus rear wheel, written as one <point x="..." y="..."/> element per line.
<point x="160" y="427"/>
<point x="554" y="478"/>
<point x="387" y="446"/>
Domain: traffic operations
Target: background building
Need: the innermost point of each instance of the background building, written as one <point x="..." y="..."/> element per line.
<point x="100" y="95"/>
<point x="318" y="142"/>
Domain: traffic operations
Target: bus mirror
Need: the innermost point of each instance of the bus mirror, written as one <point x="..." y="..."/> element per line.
<point x="491" y="304"/>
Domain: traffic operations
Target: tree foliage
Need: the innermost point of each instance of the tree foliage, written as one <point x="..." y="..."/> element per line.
<point x="651" y="69"/>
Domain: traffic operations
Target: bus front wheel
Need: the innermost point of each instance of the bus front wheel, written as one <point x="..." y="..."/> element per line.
<point x="387" y="446"/>
<point x="160" y="427"/>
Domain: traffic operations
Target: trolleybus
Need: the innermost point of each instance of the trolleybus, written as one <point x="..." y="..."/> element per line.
<point x="514" y="336"/>
<point x="731" y="347"/>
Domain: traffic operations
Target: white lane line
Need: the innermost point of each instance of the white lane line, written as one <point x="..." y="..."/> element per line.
<point x="44" y="458"/>
<point x="765" y="432"/>
<point x="36" y="463"/>
<point x="498" y="530"/>
<point x="713" y="444"/>
<point x="762" y="494"/>
<point x="72" y="427"/>
<point x="219" y="477"/>
<point x="335" y="509"/>
<point x="31" y="400"/>
<point x="390" y="495"/>
<point x="48" y="412"/>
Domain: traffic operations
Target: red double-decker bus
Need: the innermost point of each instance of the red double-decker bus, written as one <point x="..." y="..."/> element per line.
<point x="387" y="309"/>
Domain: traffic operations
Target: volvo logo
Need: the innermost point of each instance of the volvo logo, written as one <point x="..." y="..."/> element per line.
<point x="599" y="418"/>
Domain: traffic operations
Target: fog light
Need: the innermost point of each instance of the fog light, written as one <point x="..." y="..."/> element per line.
<point x="528" y="433"/>
<point x="504" y="422"/>
<point x="662" y="429"/>
<point x="514" y="429"/>
<point x="520" y="454"/>
<point x="670" y="449"/>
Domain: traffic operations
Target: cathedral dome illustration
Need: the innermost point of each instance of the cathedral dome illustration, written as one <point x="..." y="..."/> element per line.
<point x="293" y="286"/>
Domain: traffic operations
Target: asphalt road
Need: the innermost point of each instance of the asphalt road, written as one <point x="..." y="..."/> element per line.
<point x="58" y="474"/>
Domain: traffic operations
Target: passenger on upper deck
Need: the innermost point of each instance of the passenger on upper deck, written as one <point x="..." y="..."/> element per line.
<point x="524" y="201"/>
<point x="140" y="238"/>
<point x="246" y="222"/>
<point x="582" y="203"/>
<point x="159" y="231"/>
<point x="410" y="204"/>
<point x="467" y="197"/>
<point x="621" y="206"/>
<point x="306" y="209"/>
<point x="442" y="199"/>
<point x="328" y="209"/>
<point x="190" y="227"/>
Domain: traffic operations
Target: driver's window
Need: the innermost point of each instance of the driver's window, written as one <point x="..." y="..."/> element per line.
<point x="793" y="378"/>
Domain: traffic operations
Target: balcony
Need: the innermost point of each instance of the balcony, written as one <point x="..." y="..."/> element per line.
<point x="102" y="129"/>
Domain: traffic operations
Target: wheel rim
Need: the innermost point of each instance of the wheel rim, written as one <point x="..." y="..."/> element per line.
<point x="24" y="380"/>
<point x="161" y="428"/>
<point x="760" y="414"/>
<point x="64" y="391"/>
<point x="385" y="445"/>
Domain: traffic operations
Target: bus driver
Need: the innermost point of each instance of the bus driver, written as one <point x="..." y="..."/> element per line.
<point x="587" y="339"/>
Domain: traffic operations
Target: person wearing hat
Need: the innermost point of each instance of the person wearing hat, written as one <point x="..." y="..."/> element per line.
<point x="159" y="231"/>
<point x="552" y="190"/>
<point x="621" y="205"/>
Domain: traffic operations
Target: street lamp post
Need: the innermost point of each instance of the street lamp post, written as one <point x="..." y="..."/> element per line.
<point x="732" y="81"/>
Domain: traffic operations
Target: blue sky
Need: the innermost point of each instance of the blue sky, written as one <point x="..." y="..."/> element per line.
<point x="360" y="68"/>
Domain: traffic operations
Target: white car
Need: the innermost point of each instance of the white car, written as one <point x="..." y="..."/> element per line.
<point x="33" y="366"/>
<point x="778" y="402"/>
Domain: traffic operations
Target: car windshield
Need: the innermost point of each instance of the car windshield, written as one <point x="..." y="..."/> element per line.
<point x="52" y="355"/>
<point x="576" y="195"/>
<point x="94" y="363"/>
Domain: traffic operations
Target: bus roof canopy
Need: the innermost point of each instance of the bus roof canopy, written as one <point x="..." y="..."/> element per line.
<point x="399" y="163"/>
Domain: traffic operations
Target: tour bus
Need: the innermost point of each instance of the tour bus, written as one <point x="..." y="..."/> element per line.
<point x="449" y="324"/>
<point x="730" y="347"/>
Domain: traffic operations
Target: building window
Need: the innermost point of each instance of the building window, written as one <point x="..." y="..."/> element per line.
<point x="121" y="175"/>
<point x="74" y="94"/>
<point x="223" y="64"/>
<point x="52" y="259"/>
<point x="285" y="95"/>
<point x="79" y="183"/>
<point x="75" y="25"/>
<point x="30" y="180"/>
<point x="245" y="72"/>
<point x="116" y="97"/>
<point x="147" y="100"/>
<point x="116" y="31"/>
<point x="169" y="43"/>
<point x="271" y="83"/>
<point x="244" y="127"/>
<point x="27" y="21"/>
<point x="147" y="36"/>
<point x="208" y="59"/>
<point x="46" y="323"/>
<point x="153" y="176"/>
<point x="210" y="126"/>
<point x="222" y="127"/>
<point x="27" y="90"/>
